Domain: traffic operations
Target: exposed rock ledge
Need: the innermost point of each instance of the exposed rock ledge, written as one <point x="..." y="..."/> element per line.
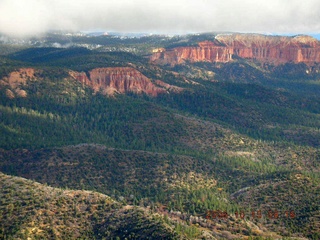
<point x="112" y="80"/>
<point x="109" y="80"/>
<point x="273" y="49"/>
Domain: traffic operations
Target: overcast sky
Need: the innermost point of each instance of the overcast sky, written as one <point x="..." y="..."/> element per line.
<point x="26" y="17"/>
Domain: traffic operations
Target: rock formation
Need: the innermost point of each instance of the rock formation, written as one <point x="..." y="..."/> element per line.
<point x="273" y="49"/>
<point x="18" y="77"/>
<point x="15" y="80"/>
<point x="121" y="79"/>
<point x="108" y="80"/>
<point x="206" y="51"/>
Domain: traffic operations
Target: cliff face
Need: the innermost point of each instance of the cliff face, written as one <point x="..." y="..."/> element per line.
<point x="120" y="79"/>
<point x="206" y="51"/>
<point x="263" y="48"/>
<point x="106" y="80"/>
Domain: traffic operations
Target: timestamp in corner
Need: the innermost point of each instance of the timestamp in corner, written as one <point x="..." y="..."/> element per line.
<point x="258" y="214"/>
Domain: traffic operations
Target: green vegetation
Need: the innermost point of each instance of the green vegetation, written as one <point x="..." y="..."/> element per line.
<point x="32" y="210"/>
<point x="59" y="112"/>
<point x="240" y="137"/>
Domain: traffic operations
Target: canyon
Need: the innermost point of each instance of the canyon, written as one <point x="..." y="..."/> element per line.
<point x="227" y="47"/>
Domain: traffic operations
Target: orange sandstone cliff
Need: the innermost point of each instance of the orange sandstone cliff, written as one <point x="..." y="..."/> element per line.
<point x="273" y="49"/>
<point x="112" y="80"/>
<point x="107" y="80"/>
<point x="206" y="51"/>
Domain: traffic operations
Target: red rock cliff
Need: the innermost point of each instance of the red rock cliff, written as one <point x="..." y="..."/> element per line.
<point x="120" y="79"/>
<point x="206" y="51"/>
<point x="272" y="49"/>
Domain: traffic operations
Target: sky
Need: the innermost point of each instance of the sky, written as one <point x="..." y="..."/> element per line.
<point x="34" y="17"/>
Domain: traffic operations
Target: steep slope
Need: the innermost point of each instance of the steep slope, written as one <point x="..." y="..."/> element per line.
<point x="206" y="51"/>
<point x="273" y="49"/>
<point x="120" y="80"/>
<point x="105" y="80"/>
<point x="270" y="49"/>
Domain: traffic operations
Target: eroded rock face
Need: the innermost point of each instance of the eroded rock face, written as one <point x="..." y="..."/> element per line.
<point x="271" y="49"/>
<point x="120" y="80"/>
<point x="108" y="80"/>
<point x="15" y="79"/>
<point x="19" y="77"/>
<point x="206" y="51"/>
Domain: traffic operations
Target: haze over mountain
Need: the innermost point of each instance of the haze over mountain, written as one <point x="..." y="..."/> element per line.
<point x="30" y="17"/>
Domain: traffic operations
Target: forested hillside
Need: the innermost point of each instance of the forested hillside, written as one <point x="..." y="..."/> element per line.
<point x="239" y="138"/>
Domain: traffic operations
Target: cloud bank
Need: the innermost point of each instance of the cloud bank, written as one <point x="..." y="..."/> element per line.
<point x="31" y="17"/>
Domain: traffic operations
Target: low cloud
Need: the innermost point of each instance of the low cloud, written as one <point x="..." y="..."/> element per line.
<point x="32" y="17"/>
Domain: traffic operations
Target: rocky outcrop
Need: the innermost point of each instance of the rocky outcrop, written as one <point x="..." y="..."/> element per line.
<point x="108" y="80"/>
<point x="206" y="51"/>
<point x="21" y="76"/>
<point x="273" y="49"/>
<point x="118" y="80"/>
<point x="10" y="94"/>
<point x="15" y="80"/>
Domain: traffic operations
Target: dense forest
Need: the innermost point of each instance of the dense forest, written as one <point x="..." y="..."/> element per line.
<point x="243" y="143"/>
